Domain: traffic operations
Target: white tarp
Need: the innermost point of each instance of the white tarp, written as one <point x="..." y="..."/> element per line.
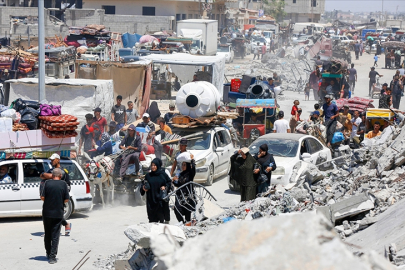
<point x="191" y="33"/>
<point x="183" y="59"/>
<point x="77" y="97"/>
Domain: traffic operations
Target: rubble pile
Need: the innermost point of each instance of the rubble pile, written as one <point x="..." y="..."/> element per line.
<point x="293" y="73"/>
<point x="350" y="193"/>
<point x="295" y="241"/>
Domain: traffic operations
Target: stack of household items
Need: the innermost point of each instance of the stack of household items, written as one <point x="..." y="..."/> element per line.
<point x="355" y="103"/>
<point x="33" y="130"/>
<point x="91" y="38"/>
<point x="16" y="63"/>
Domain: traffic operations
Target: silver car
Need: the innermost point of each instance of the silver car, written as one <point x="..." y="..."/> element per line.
<point x="212" y="148"/>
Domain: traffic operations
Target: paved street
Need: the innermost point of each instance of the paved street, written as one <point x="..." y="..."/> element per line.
<point x="101" y="230"/>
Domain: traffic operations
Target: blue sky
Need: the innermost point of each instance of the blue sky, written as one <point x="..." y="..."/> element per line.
<point x="365" y="5"/>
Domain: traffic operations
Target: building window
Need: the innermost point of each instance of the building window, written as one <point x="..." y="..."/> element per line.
<point x="183" y="16"/>
<point x="178" y="17"/>
<point x="294" y="1"/>
<point x="313" y="3"/>
<point x="148" y="11"/>
<point x="109" y="9"/>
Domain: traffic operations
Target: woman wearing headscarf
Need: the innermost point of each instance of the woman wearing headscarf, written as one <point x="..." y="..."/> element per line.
<point x="184" y="204"/>
<point x="154" y="111"/>
<point x="242" y="165"/>
<point x="267" y="165"/>
<point x="156" y="184"/>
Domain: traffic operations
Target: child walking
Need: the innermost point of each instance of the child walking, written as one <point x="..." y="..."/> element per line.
<point x="375" y="60"/>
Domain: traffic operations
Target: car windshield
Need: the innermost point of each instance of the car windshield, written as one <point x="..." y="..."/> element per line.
<point x="302" y="37"/>
<point x="259" y="39"/>
<point x="223" y="49"/>
<point x="267" y="34"/>
<point x="277" y="147"/>
<point x="196" y="44"/>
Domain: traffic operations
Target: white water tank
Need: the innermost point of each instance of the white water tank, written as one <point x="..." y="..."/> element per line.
<point x="198" y="99"/>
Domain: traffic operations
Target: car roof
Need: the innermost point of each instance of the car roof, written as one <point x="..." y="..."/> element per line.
<point x="285" y="136"/>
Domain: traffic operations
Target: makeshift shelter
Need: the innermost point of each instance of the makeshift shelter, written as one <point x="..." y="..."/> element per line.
<point x="180" y="64"/>
<point x="131" y="80"/>
<point x="76" y="96"/>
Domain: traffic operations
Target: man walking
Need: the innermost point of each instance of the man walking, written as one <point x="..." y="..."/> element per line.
<point x="397" y="90"/>
<point x="372" y="75"/>
<point x="357" y="50"/>
<point x="281" y="125"/>
<point x="55" y="194"/>
<point x="118" y="114"/>
<point x="352" y="78"/>
<point x="256" y="51"/>
<point x="132" y="114"/>
<point x="264" y="49"/>
<point x="330" y="112"/>
<point x="100" y="121"/>
<point x="55" y="162"/>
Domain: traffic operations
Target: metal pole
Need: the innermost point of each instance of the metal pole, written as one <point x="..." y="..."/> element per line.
<point x="41" y="51"/>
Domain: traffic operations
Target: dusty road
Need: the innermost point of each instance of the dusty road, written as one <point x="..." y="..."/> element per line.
<point x="101" y="230"/>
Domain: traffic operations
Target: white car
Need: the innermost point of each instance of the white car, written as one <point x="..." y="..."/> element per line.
<point x="288" y="149"/>
<point x="343" y="39"/>
<point x="227" y="51"/>
<point x="212" y="149"/>
<point x="300" y="39"/>
<point x="261" y="40"/>
<point x="21" y="198"/>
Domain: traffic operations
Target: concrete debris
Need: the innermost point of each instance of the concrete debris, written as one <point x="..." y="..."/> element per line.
<point x="243" y="245"/>
<point x="141" y="234"/>
<point x="382" y="232"/>
<point x="294" y="73"/>
<point x="360" y="193"/>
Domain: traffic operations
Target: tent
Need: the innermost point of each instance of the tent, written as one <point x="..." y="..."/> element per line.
<point x="76" y="96"/>
<point x="180" y="65"/>
<point x="131" y="80"/>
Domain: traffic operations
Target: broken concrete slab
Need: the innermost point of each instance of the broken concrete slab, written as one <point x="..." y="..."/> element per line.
<point x="354" y="205"/>
<point x="141" y="234"/>
<point x="390" y="228"/>
<point x="253" y="244"/>
<point x="382" y="195"/>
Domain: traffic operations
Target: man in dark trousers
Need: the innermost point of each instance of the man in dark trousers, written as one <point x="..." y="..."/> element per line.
<point x="55" y="194"/>
<point x="55" y="162"/>
<point x="397" y="89"/>
<point x="132" y="144"/>
<point x="372" y="75"/>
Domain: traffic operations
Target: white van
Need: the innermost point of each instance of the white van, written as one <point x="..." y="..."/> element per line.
<point x="21" y="198"/>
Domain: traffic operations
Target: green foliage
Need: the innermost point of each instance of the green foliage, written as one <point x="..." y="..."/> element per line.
<point x="275" y="8"/>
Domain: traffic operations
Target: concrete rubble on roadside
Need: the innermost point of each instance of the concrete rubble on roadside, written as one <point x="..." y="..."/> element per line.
<point x="351" y="194"/>
<point x="294" y="73"/>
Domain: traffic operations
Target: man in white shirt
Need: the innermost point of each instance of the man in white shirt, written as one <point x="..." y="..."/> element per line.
<point x="356" y="121"/>
<point x="4" y="177"/>
<point x="281" y="125"/>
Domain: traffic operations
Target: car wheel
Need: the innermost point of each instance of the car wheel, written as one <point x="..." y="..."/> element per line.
<point x="210" y="178"/>
<point x="67" y="211"/>
<point x="233" y="186"/>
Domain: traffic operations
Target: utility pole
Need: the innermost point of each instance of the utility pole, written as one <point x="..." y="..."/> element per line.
<point x="41" y="51"/>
